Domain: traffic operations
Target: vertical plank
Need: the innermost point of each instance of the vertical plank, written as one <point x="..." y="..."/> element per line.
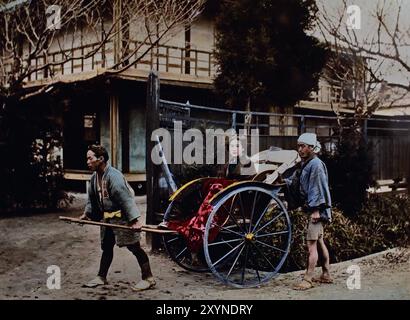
<point x="82" y="58"/>
<point x="182" y="61"/>
<point x="102" y="56"/>
<point x="114" y="128"/>
<point x="167" y="59"/>
<point x="196" y="62"/>
<point x="209" y="64"/>
<point x="302" y="126"/>
<point x="62" y="65"/>
<point x="29" y="61"/>
<point x="92" y="60"/>
<point x="152" y="174"/>
<point x="45" y="75"/>
<point x="72" y="61"/>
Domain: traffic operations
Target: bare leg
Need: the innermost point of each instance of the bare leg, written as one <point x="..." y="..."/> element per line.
<point x="325" y="259"/>
<point x="311" y="264"/>
<point x="312" y="260"/>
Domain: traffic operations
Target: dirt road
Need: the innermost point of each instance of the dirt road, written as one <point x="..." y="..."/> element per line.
<point x="30" y="245"/>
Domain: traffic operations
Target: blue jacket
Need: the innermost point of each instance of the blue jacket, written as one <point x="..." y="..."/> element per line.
<point x="312" y="186"/>
<point x="117" y="195"/>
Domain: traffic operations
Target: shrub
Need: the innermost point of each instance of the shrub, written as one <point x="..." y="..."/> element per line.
<point x="31" y="173"/>
<point x="350" y="172"/>
<point x="383" y="223"/>
<point x="47" y="170"/>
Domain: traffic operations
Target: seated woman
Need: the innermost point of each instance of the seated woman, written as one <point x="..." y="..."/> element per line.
<point x="239" y="165"/>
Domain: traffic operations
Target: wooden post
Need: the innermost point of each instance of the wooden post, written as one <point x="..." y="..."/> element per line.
<point x="82" y="58"/>
<point x="117" y="10"/>
<point x="196" y="62"/>
<point x="152" y="174"/>
<point x="182" y="61"/>
<point x="209" y="65"/>
<point x="114" y="129"/>
<point x="62" y="65"/>
<point x="167" y="59"/>
<point x="45" y="75"/>
<point x="302" y="126"/>
<point x="102" y="56"/>
<point x="72" y="61"/>
<point x="29" y="61"/>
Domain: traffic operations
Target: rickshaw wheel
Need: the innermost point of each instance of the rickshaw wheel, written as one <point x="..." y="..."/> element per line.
<point x="247" y="236"/>
<point x="182" y="208"/>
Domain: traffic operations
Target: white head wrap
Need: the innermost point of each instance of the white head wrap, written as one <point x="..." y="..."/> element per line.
<point x="310" y="139"/>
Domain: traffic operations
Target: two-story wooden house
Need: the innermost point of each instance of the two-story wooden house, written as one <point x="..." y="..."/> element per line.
<point x="95" y="105"/>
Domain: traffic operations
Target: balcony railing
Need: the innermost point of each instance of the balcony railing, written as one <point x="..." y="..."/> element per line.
<point x="327" y="94"/>
<point x="172" y="59"/>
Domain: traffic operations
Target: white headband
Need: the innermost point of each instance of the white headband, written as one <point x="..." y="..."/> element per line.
<point x="310" y="139"/>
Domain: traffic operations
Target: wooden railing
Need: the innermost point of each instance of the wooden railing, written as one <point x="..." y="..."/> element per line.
<point x="327" y="94"/>
<point x="173" y="59"/>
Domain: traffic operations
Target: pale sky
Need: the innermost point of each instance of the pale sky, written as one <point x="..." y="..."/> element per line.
<point x="369" y="30"/>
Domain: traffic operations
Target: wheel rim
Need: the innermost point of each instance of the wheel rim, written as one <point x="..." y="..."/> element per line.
<point x="247" y="237"/>
<point x="180" y="209"/>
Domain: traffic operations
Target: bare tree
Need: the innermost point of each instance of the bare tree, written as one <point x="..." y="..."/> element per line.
<point x="47" y="35"/>
<point x="368" y="62"/>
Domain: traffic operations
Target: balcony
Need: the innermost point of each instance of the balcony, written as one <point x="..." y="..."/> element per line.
<point x="173" y="63"/>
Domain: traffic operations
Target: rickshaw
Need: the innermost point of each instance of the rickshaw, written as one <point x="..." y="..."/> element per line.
<point x="238" y="230"/>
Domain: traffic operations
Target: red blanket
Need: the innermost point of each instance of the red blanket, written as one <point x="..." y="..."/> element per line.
<point x="193" y="229"/>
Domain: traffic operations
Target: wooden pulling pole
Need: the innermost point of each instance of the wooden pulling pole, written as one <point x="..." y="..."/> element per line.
<point x="146" y="228"/>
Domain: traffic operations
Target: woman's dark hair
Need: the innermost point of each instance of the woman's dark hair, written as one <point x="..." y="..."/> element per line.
<point x="99" y="151"/>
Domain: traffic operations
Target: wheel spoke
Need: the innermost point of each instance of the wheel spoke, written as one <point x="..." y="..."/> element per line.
<point x="227" y="229"/>
<point x="261" y="216"/>
<point x="172" y="240"/>
<point x="269" y="222"/>
<point x="223" y="242"/>
<point x="233" y="264"/>
<point x="183" y="250"/>
<point x="253" y="210"/>
<point x="228" y="244"/>
<point x="232" y="218"/>
<point x="226" y="255"/>
<point x="257" y="273"/>
<point x="272" y="247"/>
<point x="271" y="234"/>
<point x="261" y="253"/>
<point x="242" y="211"/>
<point x="244" y="265"/>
